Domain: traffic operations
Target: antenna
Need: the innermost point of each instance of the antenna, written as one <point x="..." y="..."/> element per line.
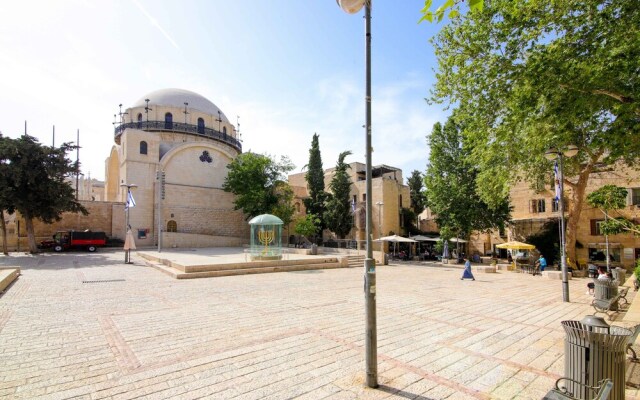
<point x="147" y="109"/>
<point x="122" y="114"/>
<point x="219" y="120"/>
<point x="185" y="112"/>
<point x="53" y="141"/>
<point x="238" y="128"/>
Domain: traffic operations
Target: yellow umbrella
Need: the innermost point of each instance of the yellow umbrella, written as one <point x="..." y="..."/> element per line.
<point x="515" y="245"/>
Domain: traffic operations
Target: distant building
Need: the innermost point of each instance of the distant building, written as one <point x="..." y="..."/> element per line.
<point x="389" y="197"/>
<point x="532" y="209"/>
<point x="190" y="140"/>
<point x="177" y="132"/>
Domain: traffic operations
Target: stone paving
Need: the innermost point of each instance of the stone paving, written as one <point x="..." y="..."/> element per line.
<point x="87" y="326"/>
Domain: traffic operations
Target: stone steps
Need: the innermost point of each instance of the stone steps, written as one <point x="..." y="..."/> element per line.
<point x="7" y="276"/>
<point x="355" y="261"/>
<point x="243" y="268"/>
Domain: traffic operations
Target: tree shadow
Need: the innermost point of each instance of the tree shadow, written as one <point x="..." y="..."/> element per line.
<point x="65" y="260"/>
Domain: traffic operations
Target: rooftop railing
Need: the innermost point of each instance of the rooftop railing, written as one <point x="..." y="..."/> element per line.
<point x="180" y="127"/>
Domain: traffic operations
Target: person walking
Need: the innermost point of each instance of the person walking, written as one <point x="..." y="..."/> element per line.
<point x="542" y="263"/>
<point x="467" y="274"/>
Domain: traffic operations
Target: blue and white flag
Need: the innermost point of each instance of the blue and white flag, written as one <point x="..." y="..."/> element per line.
<point x="353" y="206"/>
<point x="130" y="201"/>
<point x="557" y="180"/>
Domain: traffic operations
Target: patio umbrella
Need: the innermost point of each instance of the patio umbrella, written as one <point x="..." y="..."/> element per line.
<point x="515" y="245"/>
<point x="395" y="239"/>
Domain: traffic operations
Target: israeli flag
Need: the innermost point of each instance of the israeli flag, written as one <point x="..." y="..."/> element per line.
<point x="353" y="206"/>
<point x="130" y="201"/>
<point x="557" y="180"/>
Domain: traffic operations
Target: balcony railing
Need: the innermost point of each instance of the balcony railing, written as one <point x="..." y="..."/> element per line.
<point x="180" y="128"/>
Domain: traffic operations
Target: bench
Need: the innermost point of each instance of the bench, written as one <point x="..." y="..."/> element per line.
<point x="623" y="290"/>
<point x="601" y="392"/>
<point x="604" y="306"/>
<point x="632" y="339"/>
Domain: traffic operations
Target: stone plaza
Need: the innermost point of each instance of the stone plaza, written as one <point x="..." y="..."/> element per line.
<point x="87" y="326"/>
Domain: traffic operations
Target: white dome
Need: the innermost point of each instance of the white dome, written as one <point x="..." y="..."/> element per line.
<point x="177" y="98"/>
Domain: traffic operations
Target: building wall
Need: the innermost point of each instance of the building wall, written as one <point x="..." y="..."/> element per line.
<point x="387" y="189"/>
<point x="103" y="216"/>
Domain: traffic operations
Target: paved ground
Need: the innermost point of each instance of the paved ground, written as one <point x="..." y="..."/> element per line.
<point x="81" y="325"/>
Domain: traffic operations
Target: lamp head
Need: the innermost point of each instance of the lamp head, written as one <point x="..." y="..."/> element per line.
<point x="571" y="150"/>
<point x="551" y="154"/>
<point x="350" y="6"/>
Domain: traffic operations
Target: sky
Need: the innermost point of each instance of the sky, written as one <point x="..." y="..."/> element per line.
<point x="285" y="69"/>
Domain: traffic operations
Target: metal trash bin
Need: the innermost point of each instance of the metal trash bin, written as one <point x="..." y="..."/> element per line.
<point x="620" y="275"/>
<point x="593" y="351"/>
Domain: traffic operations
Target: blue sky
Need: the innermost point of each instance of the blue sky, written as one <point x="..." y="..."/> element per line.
<point x="287" y="68"/>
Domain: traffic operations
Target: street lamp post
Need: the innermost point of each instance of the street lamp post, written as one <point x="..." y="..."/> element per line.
<point x="551" y="155"/>
<point x="127" y="253"/>
<point x="371" y="339"/>
<point x="379" y="204"/>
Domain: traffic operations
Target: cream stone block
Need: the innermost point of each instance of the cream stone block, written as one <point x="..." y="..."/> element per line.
<point x="555" y="275"/>
<point x="489" y="269"/>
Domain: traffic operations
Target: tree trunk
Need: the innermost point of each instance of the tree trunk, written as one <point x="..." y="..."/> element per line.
<point x="31" y="237"/>
<point x="574" y="211"/>
<point x="3" y="226"/>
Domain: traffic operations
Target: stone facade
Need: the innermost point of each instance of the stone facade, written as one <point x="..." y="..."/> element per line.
<point x="192" y="141"/>
<point x="387" y="188"/>
<point x="532" y="209"/>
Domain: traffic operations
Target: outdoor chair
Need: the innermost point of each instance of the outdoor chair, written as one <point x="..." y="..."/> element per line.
<point x="623" y="290"/>
<point x="601" y="392"/>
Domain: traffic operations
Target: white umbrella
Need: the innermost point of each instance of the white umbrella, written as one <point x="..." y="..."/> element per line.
<point x="396" y="239"/>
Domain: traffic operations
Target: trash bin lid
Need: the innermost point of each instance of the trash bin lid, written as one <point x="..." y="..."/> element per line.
<point x="594" y="321"/>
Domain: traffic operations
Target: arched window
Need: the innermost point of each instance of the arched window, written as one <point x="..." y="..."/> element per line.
<point x="172" y="226"/>
<point x="143" y="147"/>
<point x="201" y="126"/>
<point x="224" y="133"/>
<point x="297" y="207"/>
<point x="168" y="121"/>
<point x="139" y="126"/>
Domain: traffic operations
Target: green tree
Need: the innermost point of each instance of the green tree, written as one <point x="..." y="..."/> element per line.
<point x="338" y="207"/>
<point x="33" y="182"/>
<point x="416" y="192"/>
<point x="544" y="74"/>
<point x="609" y="198"/>
<point x="259" y="183"/>
<point x="449" y="5"/>
<point x="450" y="180"/>
<point x="307" y="226"/>
<point x="315" y="203"/>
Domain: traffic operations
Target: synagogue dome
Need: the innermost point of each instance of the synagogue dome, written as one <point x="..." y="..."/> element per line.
<point x="177" y="98"/>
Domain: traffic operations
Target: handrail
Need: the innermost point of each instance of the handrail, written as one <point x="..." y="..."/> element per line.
<point x="180" y="128"/>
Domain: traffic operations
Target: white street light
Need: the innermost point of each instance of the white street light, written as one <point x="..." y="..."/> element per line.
<point x="371" y="339"/>
<point x="552" y="154"/>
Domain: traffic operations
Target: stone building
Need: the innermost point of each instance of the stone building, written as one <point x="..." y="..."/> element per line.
<point x="389" y="197"/>
<point x="187" y="138"/>
<point x="532" y="209"/>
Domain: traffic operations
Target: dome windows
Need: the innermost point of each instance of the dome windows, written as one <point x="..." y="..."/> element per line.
<point x="139" y="125"/>
<point x="168" y="121"/>
<point x="201" y="126"/>
<point x="143" y="147"/>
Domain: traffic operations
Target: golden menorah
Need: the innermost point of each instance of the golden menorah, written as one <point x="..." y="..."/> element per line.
<point x="266" y="237"/>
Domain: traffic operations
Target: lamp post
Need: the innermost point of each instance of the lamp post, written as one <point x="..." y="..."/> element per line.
<point x="551" y="155"/>
<point x="371" y="339"/>
<point x="127" y="255"/>
<point x="379" y="204"/>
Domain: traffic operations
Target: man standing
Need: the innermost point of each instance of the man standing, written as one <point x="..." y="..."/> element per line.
<point x="542" y="263"/>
